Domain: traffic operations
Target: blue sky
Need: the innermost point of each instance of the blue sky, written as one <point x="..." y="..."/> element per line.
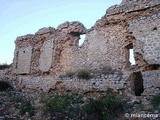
<point x="20" y="17"/>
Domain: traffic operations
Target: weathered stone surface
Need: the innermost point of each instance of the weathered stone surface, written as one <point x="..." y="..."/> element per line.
<point x="25" y="37"/>
<point x="5" y="74"/>
<point x="152" y="48"/>
<point x="40" y="83"/>
<point x="45" y="60"/>
<point x="128" y="6"/>
<point x="151" y="81"/>
<point x="24" y="41"/>
<point x="105" y="47"/>
<point x="24" y="60"/>
<point x="75" y="28"/>
<point x="102" y="83"/>
<point x="45" y="30"/>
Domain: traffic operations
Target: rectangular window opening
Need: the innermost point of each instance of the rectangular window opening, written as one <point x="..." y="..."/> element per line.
<point x="130" y="55"/>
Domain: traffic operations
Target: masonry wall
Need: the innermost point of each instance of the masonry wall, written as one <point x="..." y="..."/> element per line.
<point x="42" y="58"/>
<point x="146" y="31"/>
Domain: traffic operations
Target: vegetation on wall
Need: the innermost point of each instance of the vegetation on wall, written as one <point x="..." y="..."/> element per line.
<point x="106" y="107"/>
<point x="68" y="105"/>
<point x="84" y="74"/>
<point x="76" y="106"/>
<point x="156" y="101"/>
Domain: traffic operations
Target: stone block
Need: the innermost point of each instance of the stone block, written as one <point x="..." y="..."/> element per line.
<point x="24" y="60"/>
<point x="45" y="61"/>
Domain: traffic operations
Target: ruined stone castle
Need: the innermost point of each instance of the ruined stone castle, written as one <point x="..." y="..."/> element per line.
<point x="41" y="58"/>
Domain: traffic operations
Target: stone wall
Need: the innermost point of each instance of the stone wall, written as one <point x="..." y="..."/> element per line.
<point x="151" y="83"/>
<point x="105" y="47"/>
<point x="115" y="81"/>
<point x="41" y="58"/>
<point x="56" y="51"/>
<point x="151" y="86"/>
<point x="129" y="6"/>
<point x="146" y="31"/>
<point x="38" y="83"/>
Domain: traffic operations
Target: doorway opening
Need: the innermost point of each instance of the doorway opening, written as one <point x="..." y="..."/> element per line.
<point x="137" y="83"/>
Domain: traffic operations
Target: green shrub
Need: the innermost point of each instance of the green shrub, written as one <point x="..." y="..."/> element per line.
<point x="56" y="103"/>
<point x="15" y="97"/>
<point x="72" y="106"/>
<point x="21" y="102"/>
<point x="27" y="107"/>
<point x="61" y="106"/>
<point x="106" y="107"/>
<point x="83" y="74"/>
<point x="156" y="101"/>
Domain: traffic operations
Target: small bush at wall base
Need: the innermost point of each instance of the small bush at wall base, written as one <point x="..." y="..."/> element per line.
<point x="27" y="107"/>
<point x="61" y="106"/>
<point x="104" y="108"/>
<point x="83" y="74"/>
<point x="156" y="101"/>
<point x="56" y="103"/>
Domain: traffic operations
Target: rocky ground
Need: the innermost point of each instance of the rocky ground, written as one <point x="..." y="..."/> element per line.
<point x="17" y="105"/>
<point x="13" y="104"/>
